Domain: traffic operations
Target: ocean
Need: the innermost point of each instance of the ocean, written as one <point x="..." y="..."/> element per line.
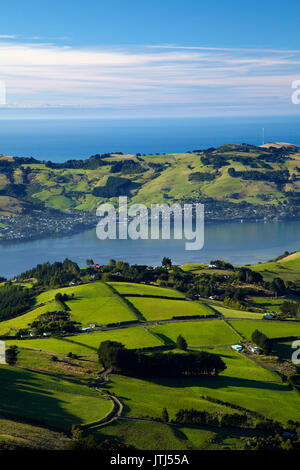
<point x="61" y="139"/>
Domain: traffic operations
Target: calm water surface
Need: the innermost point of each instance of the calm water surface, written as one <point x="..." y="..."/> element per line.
<point x="239" y="243"/>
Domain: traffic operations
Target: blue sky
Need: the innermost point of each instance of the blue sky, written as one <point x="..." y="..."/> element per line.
<point x="149" y="57"/>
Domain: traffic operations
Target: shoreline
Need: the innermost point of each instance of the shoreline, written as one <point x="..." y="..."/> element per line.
<point x="86" y="227"/>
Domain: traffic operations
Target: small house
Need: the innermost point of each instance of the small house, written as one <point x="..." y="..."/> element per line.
<point x="237" y="347"/>
<point x="268" y="315"/>
<point x="255" y="350"/>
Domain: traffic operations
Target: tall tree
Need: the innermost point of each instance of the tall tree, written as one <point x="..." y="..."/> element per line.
<point x="165" y="415"/>
<point x="166" y="262"/>
<point x="11" y="355"/>
<point x="181" y="343"/>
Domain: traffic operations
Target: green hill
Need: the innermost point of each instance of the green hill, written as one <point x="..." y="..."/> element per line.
<point x="238" y="177"/>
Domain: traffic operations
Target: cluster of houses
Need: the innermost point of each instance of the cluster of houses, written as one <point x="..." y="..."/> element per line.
<point x="252" y="349"/>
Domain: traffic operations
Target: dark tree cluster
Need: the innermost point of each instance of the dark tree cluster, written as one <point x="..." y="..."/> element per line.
<point x="127" y="167"/>
<point x="57" y="322"/>
<point x="90" y="163"/>
<point x="115" y="186"/>
<point x="114" y="356"/>
<point x="262" y="341"/>
<point x="278" y="177"/>
<point x="56" y="274"/>
<point x="249" y="276"/>
<point x="205" y="418"/>
<point x="14" y="300"/>
<point x="201" y="176"/>
<point x="11" y="355"/>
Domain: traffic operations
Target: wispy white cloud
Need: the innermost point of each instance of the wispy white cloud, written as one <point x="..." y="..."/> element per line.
<point x="8" y="36"/>
<point x="150" y="80"/>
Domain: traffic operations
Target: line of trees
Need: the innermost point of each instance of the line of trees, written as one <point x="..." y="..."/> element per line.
<point x="114" y="356"/>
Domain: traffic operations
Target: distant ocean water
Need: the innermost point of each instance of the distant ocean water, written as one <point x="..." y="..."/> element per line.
<point x="60" y="139"/>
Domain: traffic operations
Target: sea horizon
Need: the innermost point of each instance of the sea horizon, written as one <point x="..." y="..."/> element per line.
<point x="59" y="139"/>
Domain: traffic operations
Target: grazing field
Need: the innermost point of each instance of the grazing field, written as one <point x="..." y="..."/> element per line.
<point x="267" y="303"/>
<point x="198" y="333"/>
<point x="34" y="359"/>
<point x="273" y="329"/>
<point x="243" y="383"/>
<point x="287" y="268"/>
<point x="126" y="288"/>
<point x="14" y="324"/>
<point x="157" y="436"/>
<point x="26" y="435"/>
<point x="162" y="309"/>
<point x="93" y="303"/>
<point x="230" y="313"/>
<point x="142" y="398"/>
<point x="145" y="435"/>
<point x="88" y="343"/>
<point x="42" y="397"/>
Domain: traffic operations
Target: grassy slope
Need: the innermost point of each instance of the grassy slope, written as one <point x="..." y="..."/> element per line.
<point x="160" y="309"/>
<point x="287" y="268"/>
<point x="125" y="288"/>
<point x="60" y="403"/>
<point x="67" y="189"/>
<point x="14" y="324"/>
<point x="32" y="437"/>
<point x="201" y="333"/>
<point x="271" y="328"/>
<point x="157" y="436"/>
<point x="243" y="383"/>
<point x="231" y="313"/>
<point x="88" y="343"/>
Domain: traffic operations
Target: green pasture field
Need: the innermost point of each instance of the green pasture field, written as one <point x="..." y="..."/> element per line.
<point x="267" y="303"/>
<point x="92" y="303"/>
<point x="162" y="309"/>
<point x="42" y="397"/>
<point x="230" y="313"/>
<point x="14" y="324"/>
<point x="157" y="436"/>
<point x="147" y="398"/>
<point x="97" y="303"/>
<point x="37" y="360"/>
<point x="144" y="435"/>
<point x="273" y="329"/>
<point x="243" y="383"/>
<point x="287" y="268"/>
<point x="126" y="288"/>
<point x="32" y="437"/>
<point x="88" y="343"/>
<point x="198" y="333"/>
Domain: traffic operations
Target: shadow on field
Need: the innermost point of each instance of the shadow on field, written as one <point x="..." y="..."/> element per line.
<point x="25" y="395"/>
<point x="284" y="351"/>
<point x="221" y="381"/>
<point x="76" y="343"/>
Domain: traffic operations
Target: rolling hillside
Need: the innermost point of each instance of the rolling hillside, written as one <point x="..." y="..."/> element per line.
<point x="231" y="176"/>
